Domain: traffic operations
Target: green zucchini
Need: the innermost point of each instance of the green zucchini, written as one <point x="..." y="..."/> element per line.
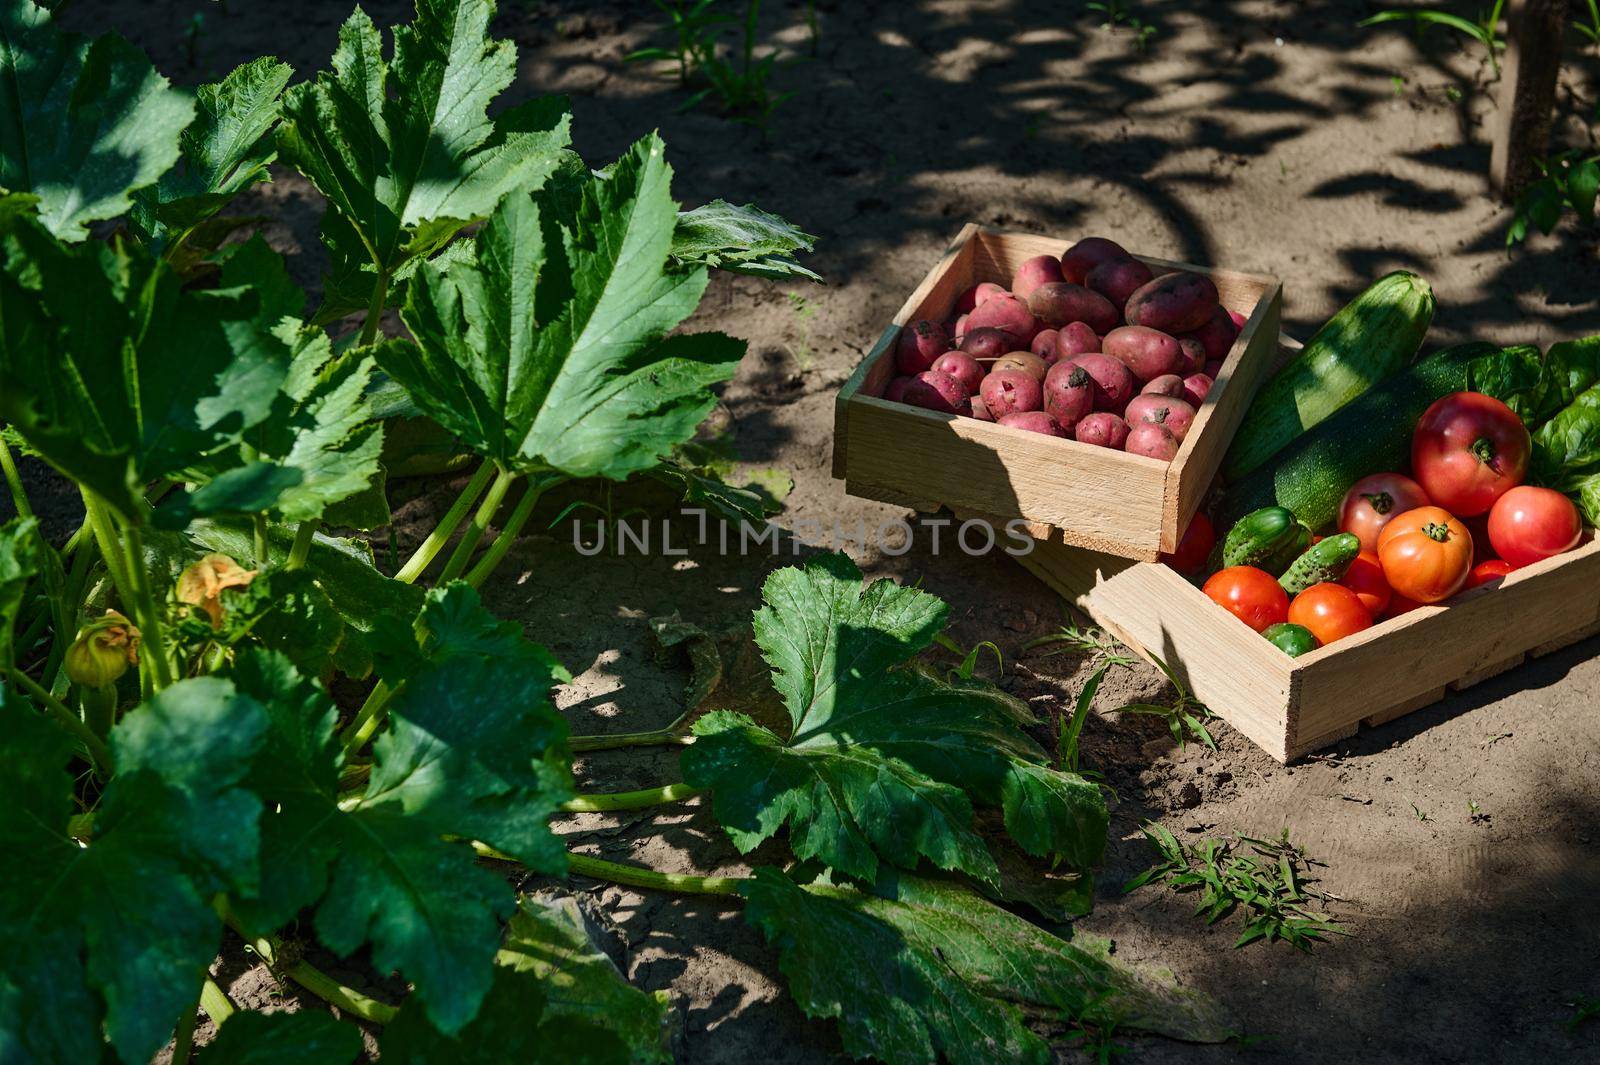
<point x="1370" y="340"/>
<point x="1370" y="435"/>
<point x="1325" y="560"/>
<point x="1269" y="539"/>
<point x="1293" y="640"/>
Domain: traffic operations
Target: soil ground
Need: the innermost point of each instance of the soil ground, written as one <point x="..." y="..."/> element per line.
<point x="1264" y="136"/>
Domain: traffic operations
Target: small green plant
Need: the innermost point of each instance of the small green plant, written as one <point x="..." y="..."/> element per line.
<point x="1569" y="180"/>
<point x="192" y="31"/>
<point x="742" y="86"/>
<point x="1084" y="640"/>
<point x="1475" y="813"/>
<point x="1419" y="813"/>
<point x="969" y="659"/>
<point x="1117" y="15"/>
<point x="804" y="311"/>
<point x="1399" y="84"/>
<point x="1485" y="29"/>
<point x="1584" y="1008"/>
<point x="1185" y="715"/>
<point x="1267" y="879"/>
<point x="695" y="25"/>
<point x="1590" y="28"/>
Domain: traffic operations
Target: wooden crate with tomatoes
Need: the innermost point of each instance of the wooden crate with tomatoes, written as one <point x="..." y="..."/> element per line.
<point x="1087" y="391"/>
<point x="1389" y="528"/>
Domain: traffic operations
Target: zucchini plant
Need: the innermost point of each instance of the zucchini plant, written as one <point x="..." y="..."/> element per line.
<point x="174" y="763"/>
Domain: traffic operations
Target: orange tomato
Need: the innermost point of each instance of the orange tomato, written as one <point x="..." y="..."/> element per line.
<point x="1252" y="595"/>
<point x="1330" y="611"/>
<point x="1365" y="578"/>
<point x="1492" y="570"/>
<point x="1426" y="554"/>
<point x="1375" y="501"/>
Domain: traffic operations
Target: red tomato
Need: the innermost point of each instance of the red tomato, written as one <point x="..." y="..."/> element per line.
<point x="1478" y="528"/>
<point x="1492" y="570"/>
<point x="1195" y="547"/>
<point x="1399" y="604"/>
<point x="1252" y="595"/>
<point x="1528" y="524"/>
<point x="1469" y="450"/>
<point x="1365" y="578"/>
<point x="1426" y="554"/>
<point x="1374" y="501"/>
<point x="1330" y="611"/>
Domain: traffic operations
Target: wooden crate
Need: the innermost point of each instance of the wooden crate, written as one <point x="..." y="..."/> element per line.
<point x="1290" y="706"/>
<point x="1069" y="493"/>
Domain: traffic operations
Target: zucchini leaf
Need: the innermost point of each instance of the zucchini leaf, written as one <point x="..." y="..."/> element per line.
<point x="19" y="563"/>
<point x="309" y="1037"/>
<point x="118" y="931"/>
<point x="883" y="762"/>
<point x="549" y="349"/>
<point x="1520" y="379"/>
<point x="113" y="370"/>
<point x="224" y="150"/>
<point x="475" y="751"/>
<point x="1575" y="365"/>
<point x="405" y="151"/>
<point x="556" y="996"/>
<point x="925" y="970"/>
<point x="1567" y="447"/>
<point x="745" y="240"/>
<point x="82" y="123"/>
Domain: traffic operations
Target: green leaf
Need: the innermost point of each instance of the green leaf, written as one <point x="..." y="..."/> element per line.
<point x="924" y="970"/>
<point x="112" y="369"/>
<point x="1574" y="367"/>
<point x="224" y="150"/>
<point x="1583" y="183"/>
<point x="122" y="927"/>
<point x="550" y="348"/>
<point x="309" y="1037"/>
<point x="454" y="622"/>
<point x="19" y="563"/>
<point x="1568" y="445"/>
<point x="474" y="751"/>
<point x="405" y="151"/>
<point x="281" y="610"/>
<point x="706" y="488"/>
<point x="83" y="122"/>
<point x="746" y="240"/>
<point x="881" y="762"/>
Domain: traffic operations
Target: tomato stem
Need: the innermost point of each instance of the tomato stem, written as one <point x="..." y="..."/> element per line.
<point x="1438" y="531"/>
<point x="1483" y="447"/>
<point x="1380" y="502"/>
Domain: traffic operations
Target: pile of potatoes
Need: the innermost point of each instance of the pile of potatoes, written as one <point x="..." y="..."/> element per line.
<point x="1091" y="346"/>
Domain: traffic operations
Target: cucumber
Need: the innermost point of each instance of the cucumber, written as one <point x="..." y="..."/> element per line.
<point x="1269" y="539"/>
<point x="1370" y="340"/>
<point x="1292" y="640"/>
<point x="1325" y="560"/>
<point x="1370" y="435"/>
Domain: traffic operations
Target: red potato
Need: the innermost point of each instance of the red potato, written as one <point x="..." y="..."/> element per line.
<point x="1034" y="421"/>
<point x="1174" y="303"/>
<point x="1044" y="345"/>
<point x="1168" y="384"/>
<point x="1011" y="392"/>
<point x="988" y="343"/>
<point x="1173" y="415"/>
<point x="1076" y="338"/>
<point x="976" y="295"/>
<point x="1060" y="302"/>
<point x="933" y="390"/>
<point x="1213" y="369"/>
<point x="1039" y="270"/>
<point x="1196" y="387"/>
<point x="1194" y="355"/>
<point x="1113" y="381"/>
<point x="1117" y="279"/>
<point x="1237" y="319"/>
<point x="1025" y="361"/>
<point x="980" y="410"/>
<point x="1068" y="393"/>
<point x="1088" y="253"/>
<point x="1217" y="335"/>
<point x="1102" y="429"/>
<point x="920" y="344"/>
<point x="962" y="367"/>
<point x="1149" y="353"/>
<point x="896" y="390"/>
<point x="958" y="330"/>
<point x="1152" y="440"/>
<point x="1006" y="313"/>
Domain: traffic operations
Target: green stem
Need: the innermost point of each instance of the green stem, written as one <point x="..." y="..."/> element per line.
<point x="304" y="534"/>
<point x="183" y="1042"/>
<point x="429" y="549"/>
<point x="320" y="983"/>
<point x="629" y="800"/>
<point x="476" y="528"/>
<point x="259" y="545"/>
<point x="105" y="535"/>
<point x="99" y="708"/>
<point x="635" y="876"/>
<point x="99" y="753"/>
<point x="152" y="636"/>
<point x="368" y="718"/>
<point x="507" y="535"/>
<point x="380" y="293"/>
<point x="19" y="495"/>
<point x="218" y="1006"/>
<point x="655" y="738"/>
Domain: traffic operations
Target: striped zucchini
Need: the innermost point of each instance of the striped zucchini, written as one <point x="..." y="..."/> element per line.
<point x="1371" y="339"/>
